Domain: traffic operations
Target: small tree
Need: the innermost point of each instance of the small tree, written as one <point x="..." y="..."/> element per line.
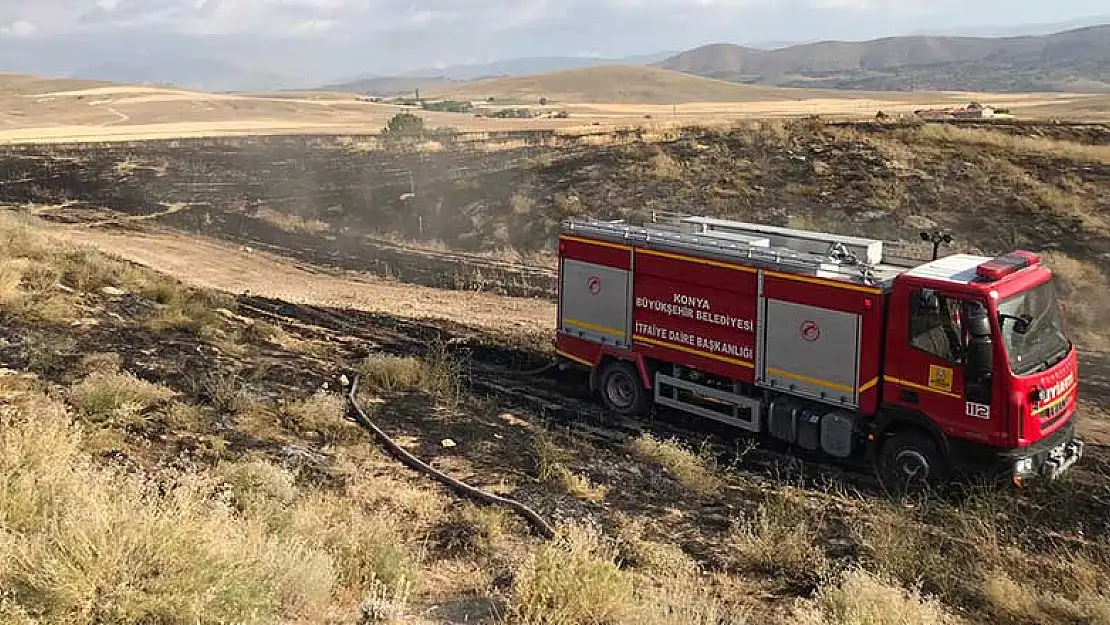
<point x="405" y="126"/>
<point x="543" y="101"/>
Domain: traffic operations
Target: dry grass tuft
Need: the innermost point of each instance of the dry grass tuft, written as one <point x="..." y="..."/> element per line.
<point x="385" y="604"/>
<point x="547" y="456"/>
<point x="88" y="270"/>
<point x="263" y="332"/>
<point x="896" y="546"/>
<point x="185" y="417"/>
<point x="11" y="277"/>
<point x="861" y="598"/>
<point x="367" y="547"/>
<point x="582" y="487"/>
<point x="549" y="464"/>
<point x="116" y="397"/>
<point x="418" y="507"/>
<point x="259" y="488"/>
<point x="1030" y="602"/>
<point x="20" y="237"/>
<point x="472" y="530"/>
<point x="322" y="413"/>
<point x="224" y="390"/>
<point x="661" y="560"/>
<point x="1010" y="598"/>
<point x="292" y="223"/>
<point x="664" y="167"/>
<point x="686" y="601"/>
<point x="692" y="470"/>
<point x="26" y="291"/>
<point x="82" y="544"/>
<point x="191" y="311"/>
<point x="574" y="581"/>
<point x="577" y="580"/>
<point x="781" y="538"/>
<point x="438" y="377"/>
<point x="99" y="362"/>
<point x="522" y="205"/>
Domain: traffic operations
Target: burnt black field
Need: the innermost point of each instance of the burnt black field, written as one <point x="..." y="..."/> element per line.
<point x="464" y="194"/>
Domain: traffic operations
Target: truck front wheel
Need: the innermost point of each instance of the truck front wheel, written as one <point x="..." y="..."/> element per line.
<point x="910" y="460"/>
<point x="621" y="390"/>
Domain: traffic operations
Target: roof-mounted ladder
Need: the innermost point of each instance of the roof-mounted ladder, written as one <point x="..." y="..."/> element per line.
<point x="810" y="253"/>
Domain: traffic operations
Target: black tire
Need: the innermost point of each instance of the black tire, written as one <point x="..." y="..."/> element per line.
<point x="621" y="389"/>
<point x="911" y="461"/>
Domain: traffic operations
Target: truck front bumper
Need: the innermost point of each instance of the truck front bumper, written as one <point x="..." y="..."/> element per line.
<point x="1050" y="460"/>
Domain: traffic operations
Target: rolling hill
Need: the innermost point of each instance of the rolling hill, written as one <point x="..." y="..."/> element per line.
<point x="624" y="84"/>
<point x="389" y="86"/>
<point x="1074" y="60"/>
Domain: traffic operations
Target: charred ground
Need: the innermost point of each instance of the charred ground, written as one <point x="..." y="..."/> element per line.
<point x="359" y="203"/>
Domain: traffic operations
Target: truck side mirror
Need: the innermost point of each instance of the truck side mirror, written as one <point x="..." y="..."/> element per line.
<point x="980" y="351"/>
<point x="1021" y="324"/>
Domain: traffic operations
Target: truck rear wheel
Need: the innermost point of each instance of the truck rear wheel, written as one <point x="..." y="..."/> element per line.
<point x="910" y="460"/>
<point x="621" y="389"/>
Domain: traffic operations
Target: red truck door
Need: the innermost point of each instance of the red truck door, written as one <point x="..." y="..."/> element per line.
<point x="926" y="359"/>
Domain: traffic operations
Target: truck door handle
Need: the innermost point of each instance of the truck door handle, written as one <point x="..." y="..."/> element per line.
<point x="910" y="397"/>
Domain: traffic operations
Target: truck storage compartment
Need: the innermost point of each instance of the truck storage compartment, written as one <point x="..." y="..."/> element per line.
<point x="593" y="302"/>
<point x="812" y="352"/>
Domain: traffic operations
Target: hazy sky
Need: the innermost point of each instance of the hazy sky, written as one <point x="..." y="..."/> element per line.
<point x="392" y="35"/>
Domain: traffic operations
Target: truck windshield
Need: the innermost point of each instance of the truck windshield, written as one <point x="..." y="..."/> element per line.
<point x="1045" y="343"/>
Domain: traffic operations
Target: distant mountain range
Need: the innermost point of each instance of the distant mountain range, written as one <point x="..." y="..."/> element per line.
<point x="1073" y="60"/>
<point x="199" y="74"/>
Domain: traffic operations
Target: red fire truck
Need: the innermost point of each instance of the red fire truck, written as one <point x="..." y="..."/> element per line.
<point x="813" y="339"/>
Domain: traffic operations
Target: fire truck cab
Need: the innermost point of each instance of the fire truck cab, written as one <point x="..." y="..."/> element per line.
<point x="961" y="363"/>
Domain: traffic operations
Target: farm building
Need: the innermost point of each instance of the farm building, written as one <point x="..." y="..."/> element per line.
<point x="971" y="111"/>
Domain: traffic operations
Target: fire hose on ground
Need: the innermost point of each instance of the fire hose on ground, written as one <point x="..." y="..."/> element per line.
<point x="416" y="464"/>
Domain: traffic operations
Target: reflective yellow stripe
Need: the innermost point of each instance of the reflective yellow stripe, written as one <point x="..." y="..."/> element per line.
<point x="921" y="387"/>
<point x="683" y="348"/>
<point x="616" y="246"/>
<point x="832" y="283"/>
<point x="700" y="261"/>
<point x="592" y="327"/>
<point x="815" y="381"/>
<point x="1056" y="402"/>
<point x="867" y="387"/>
<point x="581" y="361"/>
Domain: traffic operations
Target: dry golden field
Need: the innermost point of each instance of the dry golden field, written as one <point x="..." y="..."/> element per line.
<point x="58" y="111"/>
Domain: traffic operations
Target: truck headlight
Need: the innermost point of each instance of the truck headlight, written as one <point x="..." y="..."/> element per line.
<point x="1025" y="465"/>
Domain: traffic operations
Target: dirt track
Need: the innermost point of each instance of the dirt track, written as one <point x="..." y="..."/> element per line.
<point x="221" y="266"/>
